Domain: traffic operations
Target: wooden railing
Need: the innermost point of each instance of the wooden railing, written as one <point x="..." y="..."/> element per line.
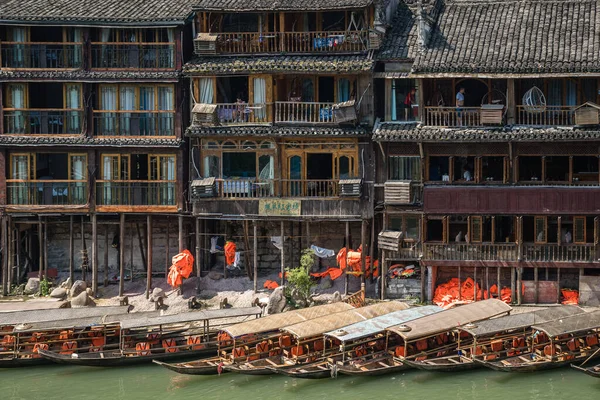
<point x="452" y="116"/>
<point x="41" y="55"/>
<point x="136" y="193"/>
<point x="546" y="116"/>
<point x="127" y="55"/>
<point x="325" y="42"/>
<point x="310" y="188"/>
<point x="304" y="112"/>
<point x="561" y="253"/>
<point x="408" y="250"/>
<point x="134" y="123"/>
<point x="46" y="192"/>
<point x="235" y="113"/>
<point x="245" y="188"/>
<point x="40" y="121"/>
<point x="470" y="251"/>
<point x="292" y="42"/>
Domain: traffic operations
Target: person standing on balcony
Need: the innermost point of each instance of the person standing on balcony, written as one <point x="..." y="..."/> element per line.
<point x="240" y="109"/>
<point x="408" y="103"/>
<point x="460" y="102"/>
<point x="467" y="174"/>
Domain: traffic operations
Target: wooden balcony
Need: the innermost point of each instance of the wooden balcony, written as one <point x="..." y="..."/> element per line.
<point x="43" y="121"/>
<point x="41" y="55"/>
<point x="46" y="192"/>
<point x="470" y="252"/>
<point x="135" y="194"/>
<point x="549" y="116"/>
<point x="319" y="42"/>
<point x="245" y="188"/>
<point x="295" y="112"/>
<point x="134" y="123"/>
<point x="310" y="188"/>
<point x="134" y="56"/>
<point x="453" y="116"/>
<point x="242" y="114"/>
<point x="553" y="252"/>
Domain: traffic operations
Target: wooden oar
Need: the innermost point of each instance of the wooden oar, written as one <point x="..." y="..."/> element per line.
<point x="590" y="357"/>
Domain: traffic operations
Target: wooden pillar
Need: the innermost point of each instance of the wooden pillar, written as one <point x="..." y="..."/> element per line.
<point x="536" y="281"/>
<point x="181" y="244"/>
<point x="255" y="254"/>
<point x="347" y="251"/>
<point x="558" y="285"/>
<point x="121" y="254"/>
<point x="512" y="284"/>
<point x="168" y="246"/>
<point x="149" y="253"/>
<point x="106" y="246"/>
<point x="45" y="250"/>
<point x="9" y="252"/>
<point x="459" y="283"/>
<point x="384" y="269"/>
<point x="95" y="254"/>
<point x="519" y="285"/>
<point x="499" y="281"/>
<point x="487" y="281"/>
<point x="363" y="255"/>
<point x="308" y="239"/>
<point x="510" y="102"/>
<point x="84" y="257"/>
<point x="282" y="253"/>
<point x="475" y="284"/>
<point x="40" y="249"/>
<point x="18" y="245"/>
<point x="423" y="294"/>
<point x="4" y="259"/>
<point x="71" y="251"/>
<point x="131" y="253"/>
<point x="249" y="271"/>
<point x="198" y="264"/>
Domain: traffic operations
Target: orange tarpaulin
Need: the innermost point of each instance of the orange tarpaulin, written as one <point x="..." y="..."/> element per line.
<point x="230" y="253"/>
<point x="182" y="267"/>
<point x="271" y="285"/>
<point x="333" y="273"/>
<point x="570" y="296"/>
<point x="448" y="293"/>
<point x="353" y="259"/>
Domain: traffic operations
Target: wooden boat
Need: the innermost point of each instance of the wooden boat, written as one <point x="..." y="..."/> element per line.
<point x="193" y="367"/>
<point x="555" y="344"/>
<point x="263" y="366"/>
<point x="591" y="371"/>
<point x="315" y="370"/>
<point x="255" y="339"/>
<point x="187" y="335"/>
<point x="386" y="364"/>
<point x="432" y="342"/>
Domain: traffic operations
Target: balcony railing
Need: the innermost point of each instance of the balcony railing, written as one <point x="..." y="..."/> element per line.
<point x="292" y="42"/>
<point x="546" y="116"/>
<point x="135" y="193"/>
<point x="470" y="251"/>
<point x="134" y="123"/>
<point x="566" y="252"/>
<point x="452" y="116"/>
<point x="126" y="55"/>
<point x="43" y="121"/>
<point x="41" y="55"/>
<point x="246" y="188"/>
<point x="46" y="192"/>
<point x="304" y="112"/>
<point x="235" y="113"/>
<point x="310" y="188"/>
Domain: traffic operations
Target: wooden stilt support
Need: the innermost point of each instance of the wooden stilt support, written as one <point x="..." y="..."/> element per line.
<point x="168" y="246"/>
<point x="475" y="284"/>
<point x="71" y="251"/>
<point x="255" y="255"/>
<point x="536" y="281"/>
<point x="282" y="228"/>
<point x="499" y="280"/>
<point x="249" y="269"/>
<point x="487" y="281"/>
<point x="347" y="251"/>
<point x="423" y="279"/>
<point x="95" y="254"/>
<point x="363" y="244"/>
<point x="558" y="285"/>
<point x="181" y="236"/>
<point x="519" y="285"/>
<point x="121" y="254"/>
<point x="9" y="253"/>
<point x="513" y="285"/>
<point x="40" y="249"/>
<point x="384" y="269"/>
<point x="131" y="252"/>
<point x="141" y="244"/>
<point x="372" y="247"/>
<point x="45" y="250"/>
<point x="106" y="247"/>
<point x="198" y="248"/>
<point x="4" y="259"/>
<point x="84" y="256"/>
<point x="149" y="253"/>
<point x="459" y="283"/>
<point x="18" y="244"/>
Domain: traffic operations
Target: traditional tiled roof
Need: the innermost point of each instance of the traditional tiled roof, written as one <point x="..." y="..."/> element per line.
<point x="281" y="131"/>
<point x="137" y="12"/>
<point x="393" y="132"/>
<point x="401" y="40"/>
<point x="514" y="36"/>
<point x="57" y="140"/>
<point x="279" y="63"/>
<point x="278" y="5"/>
<point x="82" y="75"/>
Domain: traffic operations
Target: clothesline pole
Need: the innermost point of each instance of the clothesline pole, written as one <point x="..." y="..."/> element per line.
<point x="255" y="254"/>
<point x="282" y="254"/>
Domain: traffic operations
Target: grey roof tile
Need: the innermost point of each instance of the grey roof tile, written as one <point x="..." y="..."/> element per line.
<point x="279" y="5"/>
<point x="82" y="75"/>
<point x="273" y="131"/>
<point x="57" y="140"/>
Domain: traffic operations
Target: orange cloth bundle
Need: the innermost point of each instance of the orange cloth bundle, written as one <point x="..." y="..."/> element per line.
<point x="271" y="285"/>
<point x="182" y="267"/>
<point x="570" y="296"/>
<point x="230" y="253"/>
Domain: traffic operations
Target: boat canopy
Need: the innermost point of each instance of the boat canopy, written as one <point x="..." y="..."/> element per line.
<point x="319" y="326"/>
<point x="33" y="316"/>
<point x="520" y="321"/>
<point x="372" y="326"/>
<point x="277" y="321"/>
<point x="450" y="319"/>
<point x="192" y="316"/>
<point x="572" y="324"/>
<point x="83" y="322"/>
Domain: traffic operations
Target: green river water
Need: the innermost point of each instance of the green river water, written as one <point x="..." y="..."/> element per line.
<point x="149" y="382"/>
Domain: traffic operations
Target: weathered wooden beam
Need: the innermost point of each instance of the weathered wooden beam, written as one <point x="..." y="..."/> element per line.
<point x="363" y="255"/>
<point x="347" y="251"/>
<point x="95" y="254"/>
<point x="255" y="255"/>
<point x="149" y="252"/>
<point x="4" y="259"/>
<point x="106" y="246"/>
<point x="282" y="228"/>
<point x="536" y="281"/>
<point x="18" y="244"/>
<point x="40" y="249"/>
<point x="121" y="254"/>
<point x="249" y="270"/>
<point x="168" y="246"/>
<point x="141" y="245"/>
<point x="45" y="252"/>
<point x="198" y="263"/>
<point x="84" y="256"/>
<point x="181" y="236"/>
<point x="71" y="251"/>
<point x="9" y="253"/>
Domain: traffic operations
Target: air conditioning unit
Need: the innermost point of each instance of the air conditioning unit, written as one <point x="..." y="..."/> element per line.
<point x="204" y="114"/>
<point x="205" y="44"/>
<point x="201" y="188"/>
<point x="398" y="192"/>
<point x="389" y="240"/>
<point x="350" y="187"/>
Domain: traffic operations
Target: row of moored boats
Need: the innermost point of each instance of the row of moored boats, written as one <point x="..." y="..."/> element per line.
<point x="317" y="342"/>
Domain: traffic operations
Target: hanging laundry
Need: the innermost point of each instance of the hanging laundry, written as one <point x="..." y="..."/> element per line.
<point x="321" y="252"/>
<point x="213" y="244"/>
<point x="341" y="258"/>
<point x="229" y="253"/>
<point x="277" y="242"/>
<point x="183" y="265"/>
<point x="236" y="259"/>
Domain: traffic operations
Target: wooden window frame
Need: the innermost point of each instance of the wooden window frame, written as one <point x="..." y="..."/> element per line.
<point x="575" y="230"/>
<point x="137" y="87"/>
<point x="31" y="165"/>
<point x="239" y="147"/>
<point x="535" y="229"/>
<point x="337" y="149"/>
<point x="119" y="157"/>
<point x="472" y="221"/>
<point x="404" y="226"/>
<point x="70" y="156"/>
<point x="158" y="158"/>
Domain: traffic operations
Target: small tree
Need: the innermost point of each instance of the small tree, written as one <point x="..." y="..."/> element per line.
<point x="299" y="281"/>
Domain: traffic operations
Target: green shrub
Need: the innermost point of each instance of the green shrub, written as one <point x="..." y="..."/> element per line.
<point x="299" y="278"/>
<point x="44" y="287"/>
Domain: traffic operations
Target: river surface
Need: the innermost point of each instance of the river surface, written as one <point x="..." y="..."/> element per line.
<point x="150" y="382"/>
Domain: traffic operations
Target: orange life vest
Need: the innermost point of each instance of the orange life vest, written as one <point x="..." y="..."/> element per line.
<point x="152" y="338"/>
<point x="400" y="351"/>
<point x="170" y="346"/>
<point x="69" y="347"/>
<point x="421" y="344"/>
<point x="253" y="357"/>
<point x="549" y="350"/>
<point x="224" y="339"/>
<point x="239" y="352"/>
<point x="39" y="346"/>
<point x="274" y="352"/>
<point x="518" y="343"/>
<point x="360" y="351"/>
<point x="591" y="340"/>
<point x="297" y="351"/>
<point x="319" y="345"/>
<point x="195" y="342"/>
<point x="497" y="345"/>
<point x="285" y="341"/>
<point x="573" y="344"/>
<point x="37" y="337"/>
<point x="477" y="350"/>
<point x="142" y="348"/>
<point x="262" y="347"/>
<point x="65" y="335"/>
<point x="8" y="341"/>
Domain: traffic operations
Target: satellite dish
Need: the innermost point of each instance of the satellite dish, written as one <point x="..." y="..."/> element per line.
<point x="534" y="100"/>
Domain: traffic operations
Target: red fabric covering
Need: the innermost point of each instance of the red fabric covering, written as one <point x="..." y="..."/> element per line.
<point x="570" y="296"/>
<point x="230" y="253"/>
<point x="271" y="285"/>
<point x="182" y="267"/>
<point x="333" y="273"/>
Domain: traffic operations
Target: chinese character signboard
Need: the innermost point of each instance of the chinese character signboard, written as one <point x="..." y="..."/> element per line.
<point x="281" y="208"/>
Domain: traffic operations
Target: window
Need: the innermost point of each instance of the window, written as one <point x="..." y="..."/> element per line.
<point x="464" y="169"/>
<point x="402" y="100"/>
<point x="530" y="168"/>
<point x="492" y="169"/>
<point x="579" y="230"/>
<point x="475" y="231"/>
<point x="408" y="224"/>
<point x="541" y="226"/>
<point x="437" y="230"/>
<point x="557" y="168"/>
<point x="585" y="169"/>
<point x="405" y="168"/>
<point x="439" y="168"/>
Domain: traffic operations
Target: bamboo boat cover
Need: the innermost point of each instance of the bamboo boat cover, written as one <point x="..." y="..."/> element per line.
<point x="520" y="321"/>
<point x="33" y="316"/>
<point x="374" y="325"/>
<point x="84" y="322"/>
<point x="192" y="316"/>
<point x="319" y="326"/>
<point x="572" y="324"/>
<point x="277" y="321"/>
<point x="450" y="319"/>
